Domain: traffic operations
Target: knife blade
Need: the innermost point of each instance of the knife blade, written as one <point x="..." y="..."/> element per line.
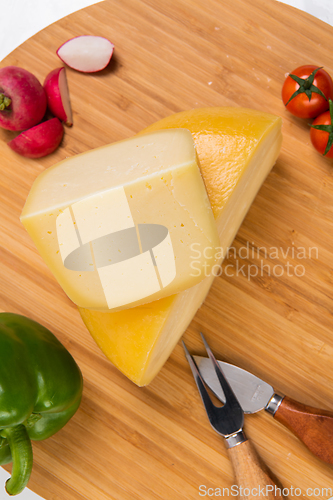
<point x="252" y="393"/>
<point x="314" y="427"/>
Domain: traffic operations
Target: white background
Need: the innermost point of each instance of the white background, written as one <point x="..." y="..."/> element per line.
<point x="20" y="19"/>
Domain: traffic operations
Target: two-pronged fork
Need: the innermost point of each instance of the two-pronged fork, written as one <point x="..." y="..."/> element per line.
<point x="252" y="476"/>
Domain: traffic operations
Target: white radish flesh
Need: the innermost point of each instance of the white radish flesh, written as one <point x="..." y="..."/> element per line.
<point x="86" y="53"/>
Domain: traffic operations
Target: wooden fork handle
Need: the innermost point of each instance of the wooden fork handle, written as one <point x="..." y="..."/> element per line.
<point x="312" y="426"/>
<point x="252" y="476"/>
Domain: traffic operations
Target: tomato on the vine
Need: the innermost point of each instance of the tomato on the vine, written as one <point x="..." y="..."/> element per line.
<point x="306" y="91"/>
<point x="321" y="133"/>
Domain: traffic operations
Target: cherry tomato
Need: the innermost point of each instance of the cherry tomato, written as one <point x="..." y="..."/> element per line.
<point x="321" y="132"/>
<point x="306" y="91"/>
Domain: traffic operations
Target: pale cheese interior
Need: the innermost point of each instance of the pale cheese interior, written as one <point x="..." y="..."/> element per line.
<point x="116" y="224"/>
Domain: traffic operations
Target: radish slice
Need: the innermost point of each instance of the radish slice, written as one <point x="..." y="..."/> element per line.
<point x="86" y="53"/>
<point x="56" y="89"/>
<point x="38" y="141"/>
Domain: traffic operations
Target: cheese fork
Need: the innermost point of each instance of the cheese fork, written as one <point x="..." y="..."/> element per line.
<point x="252" y="476"/>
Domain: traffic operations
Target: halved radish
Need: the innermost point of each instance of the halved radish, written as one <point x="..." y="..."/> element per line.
<point x="56" y="89"/>
<point x="86" y="53"/>
<point x="40" y="140"/>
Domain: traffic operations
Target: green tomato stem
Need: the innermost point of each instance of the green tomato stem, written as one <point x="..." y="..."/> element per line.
<point x="21" y="449"/>
<point x="331" y="110"/>
<point x="306" y="86"/>
<point x="4" y="102"/>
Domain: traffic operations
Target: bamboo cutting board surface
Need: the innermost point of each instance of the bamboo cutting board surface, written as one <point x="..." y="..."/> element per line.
<point x="155" y="443"/>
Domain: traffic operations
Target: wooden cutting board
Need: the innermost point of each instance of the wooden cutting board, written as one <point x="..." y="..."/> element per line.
<point x="153" y="443"/>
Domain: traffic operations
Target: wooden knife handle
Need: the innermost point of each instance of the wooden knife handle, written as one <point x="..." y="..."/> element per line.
<point x="253" y="478"/>
<point x="312" y="426"/>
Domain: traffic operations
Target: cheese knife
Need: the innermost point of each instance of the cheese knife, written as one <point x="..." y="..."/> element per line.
<point x="312" y="426"/>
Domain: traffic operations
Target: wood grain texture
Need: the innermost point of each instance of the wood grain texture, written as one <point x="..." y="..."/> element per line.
<point x="313" y="426"/>
<point x="155" y="443"/>
<point x="253" y="478"/>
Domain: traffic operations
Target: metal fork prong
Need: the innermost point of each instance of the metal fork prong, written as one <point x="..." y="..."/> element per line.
<point x="208" y="404"/>
<point x="227" y="420"/>
<point x="228" y="392"/>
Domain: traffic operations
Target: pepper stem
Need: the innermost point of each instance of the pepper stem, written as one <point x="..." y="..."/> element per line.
<point x="21" y="449"/>
<point x="4" y="102"/>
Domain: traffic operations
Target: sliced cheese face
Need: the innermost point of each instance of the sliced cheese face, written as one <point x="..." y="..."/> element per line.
<point x="236" y="148"/>
<point x="116" y="225"/>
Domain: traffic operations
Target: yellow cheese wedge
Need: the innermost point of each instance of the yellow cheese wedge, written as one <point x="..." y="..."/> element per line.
<point x="116" y="224"/>
<point x="236" y="149"/>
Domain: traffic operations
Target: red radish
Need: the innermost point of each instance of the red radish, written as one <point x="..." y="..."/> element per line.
<point x="38" y="141"/>
<point x="56" y="89"/>
<point x="22" y="99"/>
<point x="86" y="53"/>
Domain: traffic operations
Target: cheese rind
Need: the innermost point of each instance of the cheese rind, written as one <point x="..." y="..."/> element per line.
<point x="236" y="148"/>
<point x="115" y="225"/>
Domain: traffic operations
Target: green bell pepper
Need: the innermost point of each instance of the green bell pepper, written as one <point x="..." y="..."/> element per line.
<point x="40" y="390"/>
